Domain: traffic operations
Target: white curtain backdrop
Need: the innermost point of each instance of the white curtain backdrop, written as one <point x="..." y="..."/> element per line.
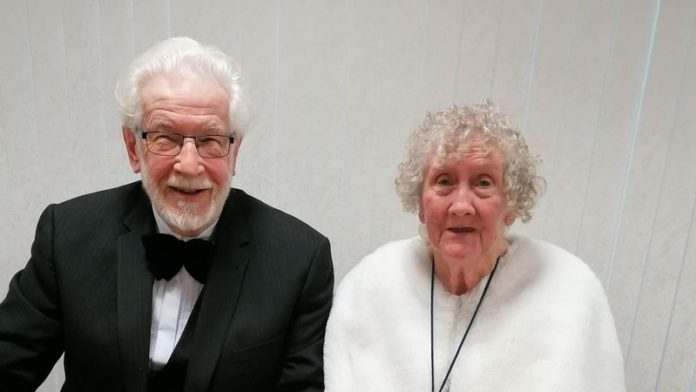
<point x="605" y="90"/>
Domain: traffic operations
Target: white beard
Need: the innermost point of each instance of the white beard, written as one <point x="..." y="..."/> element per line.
<point x="183" y="218"/>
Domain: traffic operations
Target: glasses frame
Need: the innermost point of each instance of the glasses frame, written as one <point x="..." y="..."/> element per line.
<point x="144" y="133"/>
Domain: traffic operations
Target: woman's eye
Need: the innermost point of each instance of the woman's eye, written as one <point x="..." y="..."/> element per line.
<point x="484" y="182"/>
<point x="443" y="181"/>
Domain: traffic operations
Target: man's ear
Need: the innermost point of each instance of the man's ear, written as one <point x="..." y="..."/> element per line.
<point x="234" y="151"/>
<point x="129" y="140"/>
<point x="237" y="144"/>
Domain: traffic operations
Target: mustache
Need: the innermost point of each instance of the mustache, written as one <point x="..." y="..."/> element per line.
<point x="178" y="181"/>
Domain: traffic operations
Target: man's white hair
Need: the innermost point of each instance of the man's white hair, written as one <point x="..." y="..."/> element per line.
<point x="188" y="58"/>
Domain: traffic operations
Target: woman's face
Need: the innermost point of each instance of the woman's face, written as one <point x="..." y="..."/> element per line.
<point x="463" y="205"/>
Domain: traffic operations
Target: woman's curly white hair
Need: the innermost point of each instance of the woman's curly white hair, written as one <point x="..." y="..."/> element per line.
<point x="447" y="134"/>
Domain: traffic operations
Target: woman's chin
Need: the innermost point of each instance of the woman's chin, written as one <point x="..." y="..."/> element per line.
<point x="459" y="254"/>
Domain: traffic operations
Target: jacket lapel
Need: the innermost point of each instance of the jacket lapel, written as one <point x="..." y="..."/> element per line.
<point x="220" y="294"/>
<point x="135" y="296"/>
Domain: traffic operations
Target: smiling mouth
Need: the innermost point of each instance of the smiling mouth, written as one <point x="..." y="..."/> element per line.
<point x="188" y="191"/>
<point x="461" y="229"/>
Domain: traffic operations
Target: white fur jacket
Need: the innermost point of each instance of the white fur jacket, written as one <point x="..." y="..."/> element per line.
<point x="544" y="325"/>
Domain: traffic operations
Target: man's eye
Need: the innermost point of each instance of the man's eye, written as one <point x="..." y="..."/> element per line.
<point x="165" y="138"/>
<point x="210" y="140"/>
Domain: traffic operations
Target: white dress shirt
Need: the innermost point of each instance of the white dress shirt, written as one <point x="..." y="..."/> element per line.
<point x="172" y="304"/>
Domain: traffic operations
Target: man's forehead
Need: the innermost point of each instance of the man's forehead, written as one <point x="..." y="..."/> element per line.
<point x="159" y="121"/>
<point x="168" y="100"/>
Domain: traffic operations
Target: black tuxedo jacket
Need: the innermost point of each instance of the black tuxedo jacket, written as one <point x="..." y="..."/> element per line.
<point x="86" y="291"/>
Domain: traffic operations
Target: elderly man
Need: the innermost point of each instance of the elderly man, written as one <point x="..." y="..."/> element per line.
<point x="175" y="283"/>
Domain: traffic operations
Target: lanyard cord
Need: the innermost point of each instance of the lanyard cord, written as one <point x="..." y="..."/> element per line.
<point x="432" y="327"/>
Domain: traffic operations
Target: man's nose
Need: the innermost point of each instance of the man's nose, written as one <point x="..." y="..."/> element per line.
<point x="462" y="202"/>
<point x="189" y="162"/>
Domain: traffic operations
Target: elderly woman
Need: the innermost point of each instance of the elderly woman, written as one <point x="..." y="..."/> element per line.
<point x="466" y="306"/>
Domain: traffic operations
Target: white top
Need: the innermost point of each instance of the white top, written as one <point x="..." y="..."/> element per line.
<point x="172" y="304"/>
<point x="544" y="325"/>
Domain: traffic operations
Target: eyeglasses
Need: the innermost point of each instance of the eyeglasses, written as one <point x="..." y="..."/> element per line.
<point x="170" y="144"/>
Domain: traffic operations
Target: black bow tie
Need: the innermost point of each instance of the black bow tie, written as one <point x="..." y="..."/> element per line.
<point x="166" y="254"/>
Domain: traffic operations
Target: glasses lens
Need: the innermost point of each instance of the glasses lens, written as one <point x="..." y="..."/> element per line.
<point x="170" y="144"/>
<point x="164" y="143"/>
<point x="213" y="146"/>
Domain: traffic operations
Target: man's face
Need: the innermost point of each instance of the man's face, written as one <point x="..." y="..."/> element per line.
<point x="187" y="191"/>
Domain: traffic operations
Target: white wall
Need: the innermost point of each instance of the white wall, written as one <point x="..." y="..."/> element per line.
<point x="604" y="89"/>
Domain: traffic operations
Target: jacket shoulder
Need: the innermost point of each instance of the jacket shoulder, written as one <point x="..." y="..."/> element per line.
<point x="261" y="216"/>
<point x="547" y="255"/>
<point x="97" y="210"/>
<point x="406" y="262"/>
<point x="124" y="194"/>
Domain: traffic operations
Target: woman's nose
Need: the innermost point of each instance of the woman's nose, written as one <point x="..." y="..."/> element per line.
<point x="462" y="202"/>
